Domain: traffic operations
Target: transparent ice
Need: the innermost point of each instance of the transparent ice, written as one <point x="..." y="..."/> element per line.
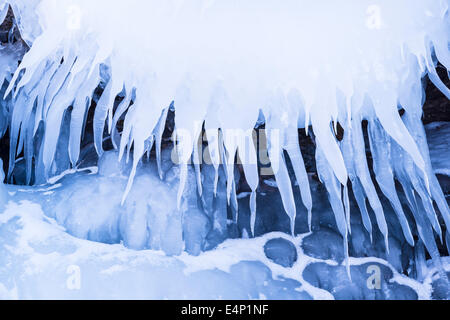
<point x="315" y="66"/>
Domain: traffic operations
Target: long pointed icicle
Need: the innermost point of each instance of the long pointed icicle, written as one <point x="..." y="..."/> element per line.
<point x="121" y="108"/>
<point x="418" y="178"/>
<point x="79" y="111"/>
<point x="380" y="147"/>
<point x="424" y="230"/>
<point x="29" y="148"/>
<point x="362" y="171"/>
<point x="184" y="150"/>
<point x="106" y="101"/>
<point x="212" y="136"/>
<point x="247" y="154"/>
<point x="328" y="142"/>
<point x="276" y="156"/>
<point x="229" y="175"/>
<point x="347" y="152"/>
<point x="43" y="85"/>
<point x="394" y="126"/>
<point x="417" y="186"/>
<point x="159" y="130"/>
<point x="59" y="105"/>
<point x="334" y="194"/>
<point x="293" y="150"/>
<point x="415" y="126"/>
<point x="361" y="201"/>
<point x="347" y="208"/>
<point x="229" y="156"/>
<point x="196" y="154"/>
<point x="58" y="82"/>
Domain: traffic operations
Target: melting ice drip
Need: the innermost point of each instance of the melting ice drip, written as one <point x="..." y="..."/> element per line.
<point x="229" y="64"/>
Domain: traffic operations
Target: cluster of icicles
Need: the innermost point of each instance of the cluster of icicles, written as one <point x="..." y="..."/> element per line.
<point x="226" y="64"/>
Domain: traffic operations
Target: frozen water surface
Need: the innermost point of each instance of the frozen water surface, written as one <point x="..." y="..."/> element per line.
<point x="101" y="204"/>
<point x="40" y="260"/>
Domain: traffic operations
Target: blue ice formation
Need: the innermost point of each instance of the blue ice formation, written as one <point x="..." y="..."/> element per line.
<point x="315" y="67"/>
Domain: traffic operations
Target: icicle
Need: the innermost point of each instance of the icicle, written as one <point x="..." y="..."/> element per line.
<point x="361" y="201"/>
<point x="21" y="113"/>
<point x="28" y="147"/>
<point x="334" y="190"/>
<point x="426" y="234"/>
<point x="15" y="124"/>
<point x="138" y="152"/>
<point x="41" y="90"/>
<point x="417" y="185"/>
<point x="77" y="118"/>
<point x="229" y="175"/>
<point x="347" y="208"/>
<point x="143" y="131"/>
<point x="121" y="108"/>
<point x="184" y="150"/>
<point x="230" y="154"/>
<point x="3" y="12"/>
<point x="327" y="140"/>
<point x="253" y="212"/>
<point x="247" y="155"/>
<point x="196" y="158"/>
<point x="54" y="118"/>
<point x="148" y="145"/>
<point x="420" y="261"/>
<point x="388" y="73"/>
<point x="106" y="101"/>
<point x="29" y="76"/>
<point x="277" y="160"/>
<point x="419" y="178"/>
<point x="127" y="128"/>
<point x="212" y="135"/>
<point x="334" y="194"/>
<point x="159" y="130"/>
<point x="349" y="158"/>
<point x="380" y="147"/>
<point x="234" y="202"/>
<point x="30" y="92"/>
<point x="434" y="77"/>
<point x="183" y="179"/>
<point x="414" y="123"/>
<point x="424" y="230"/>
<point x="362" y="171"/>
<point x="385" y="107"/>
<point x="57" y="82"/>
<point x="41" y="48"/>
<point x="292" y="148"/>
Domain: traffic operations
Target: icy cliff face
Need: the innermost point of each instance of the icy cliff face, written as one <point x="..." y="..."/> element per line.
<point x="41" y="261"/>
<point x="225" y="67"/>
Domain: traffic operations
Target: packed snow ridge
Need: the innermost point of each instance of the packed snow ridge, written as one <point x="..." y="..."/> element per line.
<point x="228" y="66"/>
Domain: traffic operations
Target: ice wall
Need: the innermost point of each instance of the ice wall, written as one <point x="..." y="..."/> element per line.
<point x="228" y="64"/>
<point x="41" y="261"/>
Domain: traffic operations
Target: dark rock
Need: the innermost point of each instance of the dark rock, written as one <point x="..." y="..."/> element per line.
<point x="437" y="106"/>
<point x="324" y="244"/>
<point x="440" y="289"/>
<point x="335" y="280"/>
<point x="281" y="251"/>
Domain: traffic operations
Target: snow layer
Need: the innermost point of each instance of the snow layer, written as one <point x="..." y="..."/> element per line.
<point x="290" y="66"/>
<point x="39" y="260"/>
